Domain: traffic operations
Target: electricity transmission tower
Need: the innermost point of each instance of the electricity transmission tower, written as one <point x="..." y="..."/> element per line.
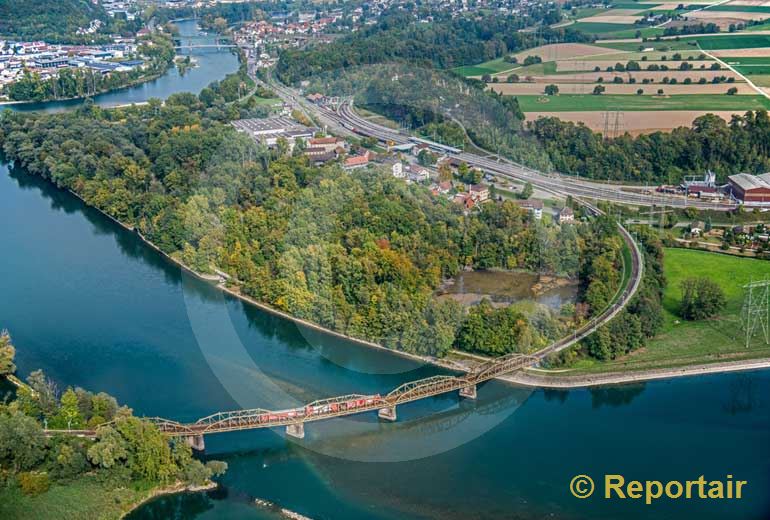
<point x="755" y="314"/>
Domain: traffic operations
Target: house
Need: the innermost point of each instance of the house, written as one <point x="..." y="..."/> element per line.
<point x="395" y="167"/>
<point x="465" y="199"/>
<point x="479" y="192"/>
<point x="417" y="173"/>
<point x="696" y="228"/>
<point x="356" y="161"/>
<point x="566" y="215"/>
<point x="329" y="144"/>
<point x="535" y="207"/>
<point x="750" y="189"/>
<point x="315" y="98"/>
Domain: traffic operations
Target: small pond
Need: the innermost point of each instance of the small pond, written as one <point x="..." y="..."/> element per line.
<point x="506" y="287"/>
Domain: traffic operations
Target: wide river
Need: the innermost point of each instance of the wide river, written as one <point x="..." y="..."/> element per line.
<point x="93" y="306"/>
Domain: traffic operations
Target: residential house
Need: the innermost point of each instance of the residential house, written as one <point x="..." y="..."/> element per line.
<point x="566" y="215"/>
<point x="535" y="207"/>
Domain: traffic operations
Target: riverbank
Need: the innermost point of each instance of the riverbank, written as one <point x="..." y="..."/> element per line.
<point x="86" y="498"/>
<point x="170" y="490"/>
<point x="560" y="379"/>
<point x="553" y="380"/>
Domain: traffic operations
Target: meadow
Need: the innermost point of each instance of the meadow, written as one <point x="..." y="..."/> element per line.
<point x="683" y="342"/>
<point x="630" y="103"/>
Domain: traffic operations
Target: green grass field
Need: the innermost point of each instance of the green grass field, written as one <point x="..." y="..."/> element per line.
<point x="739" y="41"/>
<point x="488" y="67"/>
<point x="681" y="342"/>
<point x="764" y="26"/>
<point x="740" y="8"/>
<point x="85" y="499"/>
<point x="632" y="102"/>
<point x="661" y="46"/>
<point x="603" y="29"/>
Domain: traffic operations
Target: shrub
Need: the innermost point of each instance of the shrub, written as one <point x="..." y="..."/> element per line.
<point x="33" y="483"/>
<point x="701" y="298"/>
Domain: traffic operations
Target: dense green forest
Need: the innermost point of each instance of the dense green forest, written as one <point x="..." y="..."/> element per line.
<point x="742" y="145"/>
<point x="127" y="452"/>
<point x="157" y="50"/>
<point x="57" y="21"/>
<point x="361" y="253"/>
<point x="445" y="43"/>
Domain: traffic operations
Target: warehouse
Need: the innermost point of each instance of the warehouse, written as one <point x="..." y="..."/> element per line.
<point x="750" y="190"/>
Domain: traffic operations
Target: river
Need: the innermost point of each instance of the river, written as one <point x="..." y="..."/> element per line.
<point x="93" y="306"/>
<point x="212" y="65"/>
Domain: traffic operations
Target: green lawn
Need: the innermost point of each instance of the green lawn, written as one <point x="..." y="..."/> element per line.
<point x="764" y="26"/>
<point x="488" y="67"/>
<point x="267" y="101"/>
<point x="662" y="45"/>
<point x="602" y="28"/>
<point x="681" y="342"/>
<point x="741" y="8"/>
<point x="632" y="102"/>
<point x="85" y="499"/>
<point x="738" y="41"/>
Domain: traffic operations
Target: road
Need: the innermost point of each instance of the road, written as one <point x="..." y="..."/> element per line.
<point x="343" y="120"/>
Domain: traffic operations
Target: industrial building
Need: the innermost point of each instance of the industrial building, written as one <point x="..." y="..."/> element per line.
<point x="750" y="190"/>
<point x="269" y="130"/>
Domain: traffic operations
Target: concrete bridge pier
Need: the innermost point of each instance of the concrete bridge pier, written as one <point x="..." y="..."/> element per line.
<point x="469" y="392"/>
<point x="296" y="430"/>
<point x="388" y="413"/>
<point x="196" y="442"/>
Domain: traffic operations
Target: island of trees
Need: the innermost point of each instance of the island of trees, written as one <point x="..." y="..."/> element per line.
<point x="52" y="475"/>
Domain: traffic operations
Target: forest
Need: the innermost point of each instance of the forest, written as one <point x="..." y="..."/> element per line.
<point x="740" y="145"/>
<point x="157" y="51"/>
<point x="360" y="253"/>
<point x="57" y="21"/>
<point x="127" y="452"/>
<point x="445" y="43"/>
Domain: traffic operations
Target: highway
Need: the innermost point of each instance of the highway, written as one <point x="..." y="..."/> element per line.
<point x="343" y="120"/>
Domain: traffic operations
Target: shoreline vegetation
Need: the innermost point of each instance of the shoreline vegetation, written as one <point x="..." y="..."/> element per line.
<point x="46" y="472"/>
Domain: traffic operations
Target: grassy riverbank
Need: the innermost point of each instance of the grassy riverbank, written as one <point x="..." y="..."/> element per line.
<point x="84" y="499"/>
<point x="681" y="343"/>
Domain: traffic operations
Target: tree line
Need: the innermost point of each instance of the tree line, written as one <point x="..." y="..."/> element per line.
<point x="726" y="148"/>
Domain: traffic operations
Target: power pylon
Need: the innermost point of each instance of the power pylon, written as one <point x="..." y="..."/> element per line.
<point x="755" y="315"/>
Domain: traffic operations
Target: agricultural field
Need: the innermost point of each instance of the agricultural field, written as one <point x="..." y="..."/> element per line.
<point x="634" y="123"/>
<point x="488" y="67"/>
<point x="647" y="103"/>
<point x="684" y="79"/>
<point x="686" y="342"/>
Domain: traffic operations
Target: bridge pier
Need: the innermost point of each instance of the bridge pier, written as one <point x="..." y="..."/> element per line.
<point x="296" y="430"/>
<point x="469" y="392"/>
<point x="195" y="442"/>
<point x="388" y="413"/>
